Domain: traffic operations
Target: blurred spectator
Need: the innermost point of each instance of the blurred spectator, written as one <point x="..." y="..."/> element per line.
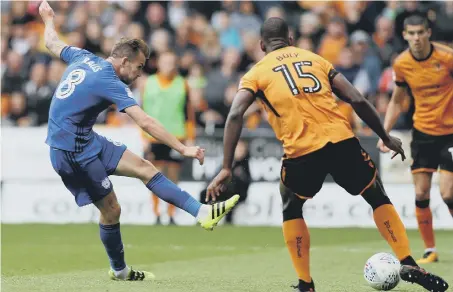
<point x="218" y="81"/>
<point x="13" y="78"/>
<point x="155" y="18"/>
<point x="93" y="36"/>
<point x="367" y="57"/>
<point x="78" y="18"/>
<point x="56" y="71"/>
<point x="76" y="39"/>
<point x="197" y="83"/>
<point x="4" y="53"/>
<point x="177" y="12"/>
<point x="229" y="35"/>
<point x="306" y="44"/>
<point x="34" y="55"/>
<point x="100" y="11"/>
<point x="333" y="41"/>
<point x="18" y="114"/>
<point x="119" y="25"/>
<point x="132" y="8"/>
<point x="19" y="14"/>
<point x="444" y="22"/>
<point x="310" y="28"/>
<point x="251" y="53"/>
<point x="182" y="38"/>
<point x="107" y="46"/>
<point x="353" y="71"/>
<point x="160" y="41"/>
<point x="245" y="20"/>
<point x="384" y="39"/>
<point x="210" y="48"/>
<point x="198" y="26"/>
<point x="38" y="92"/>
<point x="275" y="11"/>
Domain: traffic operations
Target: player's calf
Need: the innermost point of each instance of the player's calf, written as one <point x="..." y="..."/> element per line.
<point x="388" y="221"/>
<point x="110" y="234"/>
<point x="297" y="237"/>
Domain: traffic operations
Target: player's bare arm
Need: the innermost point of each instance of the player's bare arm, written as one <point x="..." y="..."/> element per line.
<point x="347" y="92"/>
<point x="155" y="129"/>
<point x="53" y="42"/>
<point x="233" y="128"/>
<point x="394" y="110"/>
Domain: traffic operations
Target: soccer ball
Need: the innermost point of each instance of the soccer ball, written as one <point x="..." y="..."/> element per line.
<point x="382" y="271"/>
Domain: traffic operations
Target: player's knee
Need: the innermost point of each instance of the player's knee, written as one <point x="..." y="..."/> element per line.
<point x="446" y="191"/>
<point x="145" y="171"/>
<point x="422" y="191"/>
<point x="448" y="199"/>
<point x="111" y="215"/>
<point x="375" y="195"/>
<point x="422" y="194"/>
<point x="292" y="205"/>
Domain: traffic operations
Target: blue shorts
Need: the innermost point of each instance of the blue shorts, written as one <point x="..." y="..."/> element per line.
<point x="85" y="174"/>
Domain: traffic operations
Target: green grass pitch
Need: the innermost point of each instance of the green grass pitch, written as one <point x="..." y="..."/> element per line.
<point x="68" y="258"/>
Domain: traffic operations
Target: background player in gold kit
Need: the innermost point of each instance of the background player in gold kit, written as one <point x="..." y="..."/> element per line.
<point x="425" y="71"/>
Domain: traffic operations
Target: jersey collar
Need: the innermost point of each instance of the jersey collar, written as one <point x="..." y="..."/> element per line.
<point x="427" y="57"/>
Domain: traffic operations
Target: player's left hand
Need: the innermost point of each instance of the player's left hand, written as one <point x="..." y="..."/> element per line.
<point x="395" y="145"/>
<point x="194" y="152"/>
<point x="46" y="11"/>
<point x="218" y="184"/>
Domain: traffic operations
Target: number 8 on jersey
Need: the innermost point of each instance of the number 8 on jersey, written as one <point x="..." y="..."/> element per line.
<point x="67" y="86"/>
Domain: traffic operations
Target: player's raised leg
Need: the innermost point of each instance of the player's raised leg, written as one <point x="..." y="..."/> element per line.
<point x="110" y="234"/>
<point x="173" y="170"/>
<point x="297" y="238"/>
<point x="208" y="216"/>
<point x="422" y="183"/>
<point x="155" y="199"/>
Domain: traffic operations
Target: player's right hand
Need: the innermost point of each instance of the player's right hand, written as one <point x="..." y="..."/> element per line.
<point x="395" y="145"/>
<point x="381" y="146"/>
<point x="218" y="184"/>
<point x="46" y="11"/>
<point x="194" y="152"/>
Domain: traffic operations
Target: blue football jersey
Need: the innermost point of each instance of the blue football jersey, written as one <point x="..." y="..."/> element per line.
<point x="88" y="86"/>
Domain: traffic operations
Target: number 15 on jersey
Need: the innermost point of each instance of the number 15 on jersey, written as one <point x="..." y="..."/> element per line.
<point x="301" y="74"/>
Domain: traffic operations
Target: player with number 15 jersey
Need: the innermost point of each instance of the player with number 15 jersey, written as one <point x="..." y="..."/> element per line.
<point x="303" y="124"/>
<point x="296" y="89"/>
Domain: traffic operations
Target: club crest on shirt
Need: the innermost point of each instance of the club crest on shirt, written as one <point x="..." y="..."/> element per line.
<point x="106" y="183"/>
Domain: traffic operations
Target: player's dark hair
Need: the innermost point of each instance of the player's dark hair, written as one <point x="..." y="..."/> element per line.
<point x="130" y="48"/>
<point x="416" y="19"/>
<point x="275" y="32"/>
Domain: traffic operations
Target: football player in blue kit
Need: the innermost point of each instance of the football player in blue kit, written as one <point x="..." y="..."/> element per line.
<point x="84" y="160"/>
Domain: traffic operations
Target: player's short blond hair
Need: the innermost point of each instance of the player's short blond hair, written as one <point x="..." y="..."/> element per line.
<point x="130" y="48"/>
